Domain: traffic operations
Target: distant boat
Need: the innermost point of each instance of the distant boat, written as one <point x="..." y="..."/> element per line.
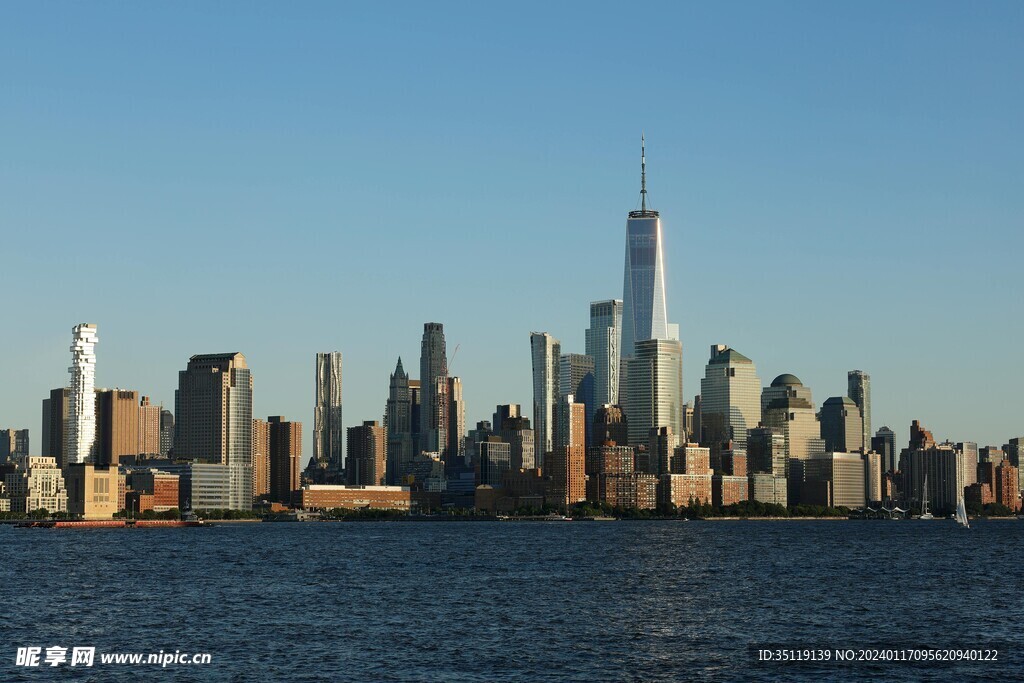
<point x="961" y="514"/>
<point x="924" y="500"/>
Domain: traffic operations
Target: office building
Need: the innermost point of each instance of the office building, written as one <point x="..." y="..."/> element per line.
<point x="766" y="451"/>
<point x="327" y="411"/>
<point x="730" y="400"/>
<point x="844" y="474"/>
<point x="56" y="411"/>
<point x="117" y="425"/>
<point x="433" y="390"/>
<point x="768" y="488"/>
<point x="166" y="432"/>
<point x="516" y="432"/>
<point x="602" y="345"/>
<point x="789" y="406"/>
<point x="327" y="497"/>
<point x="873" y="488"/>
<point x="495" y="461"/>
<point x="162" y="486"/>
<point x="576" y="377"/>
<point x="655" y="393"/>
<point x="858" y="389"/>
<point x="968" y="462"/>
<point x="884" y="443"/>
<point x="662" y="444"/>
<point x="80" y="435"/>
<point x="938" y="465"/>
<point x="644" y="311"/>
<point x="611" y="426"/>
<point x="502" y="413"/>
<point x="545" y="352"/>
<point x="841" y="425"/>
<point x="367" y="454"/>
<point x="213" y="418"/>
<point x="285" y="458"/>
<point x="398" y="421"/>
<point x="456" y="448"/>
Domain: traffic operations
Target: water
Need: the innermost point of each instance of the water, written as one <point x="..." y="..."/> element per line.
<point x="618" y="601"/>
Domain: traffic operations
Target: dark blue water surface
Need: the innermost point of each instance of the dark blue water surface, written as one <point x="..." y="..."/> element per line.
<point x="493" y="601"/>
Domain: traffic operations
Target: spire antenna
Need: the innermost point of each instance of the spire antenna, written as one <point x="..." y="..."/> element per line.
<point x="643" y="173"/>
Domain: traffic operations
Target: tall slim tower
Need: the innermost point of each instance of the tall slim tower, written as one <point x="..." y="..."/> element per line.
<point x="858" y="387"/>
<point x="546" y="352"/>
<point x="602" y="344"/>
<point x="456" y="422"/>
<point x="433" y="390"/>
<point x="398" y="421"/>
<point x="327" y="433"/>
<point x="81" y="430"/>
<point x="730" y="396"/>
<point x="644" y="312"/>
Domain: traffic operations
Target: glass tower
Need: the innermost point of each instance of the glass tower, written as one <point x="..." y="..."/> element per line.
<point x="730" y="396"/>
<point x="858" y="387"/>
<point x="644" y="313"/>
<point x="327" y="432"/>
<point x="602" y="344"/>
<point x="545" y="351"/>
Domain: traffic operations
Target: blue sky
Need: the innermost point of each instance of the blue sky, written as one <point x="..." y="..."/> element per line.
<point x="840" y="187"/>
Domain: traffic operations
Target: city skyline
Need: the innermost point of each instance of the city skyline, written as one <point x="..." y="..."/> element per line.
<point x="858" y="175"/>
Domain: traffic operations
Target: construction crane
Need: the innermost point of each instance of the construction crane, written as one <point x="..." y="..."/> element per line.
<point x="448" y="361"/>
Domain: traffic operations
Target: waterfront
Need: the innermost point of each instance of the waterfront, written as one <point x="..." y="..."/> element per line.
<point x="498" y="601"/>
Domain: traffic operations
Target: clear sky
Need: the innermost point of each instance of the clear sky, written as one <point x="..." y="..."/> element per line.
<point x="840" y="187"/>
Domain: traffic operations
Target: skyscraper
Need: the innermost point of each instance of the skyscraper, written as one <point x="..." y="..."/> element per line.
<point x="13" y="444"/>
<point x="730" y="400"/>
<point x="81" y="426"/>
<point x="545" y="351"/>
<point x="117" y="425"/>
<point x="398" y="421"/>
<point x="456" y="424"/>
<point x="433" y="390"/>
<point x="788" y="405"/>
<point x="576" y="377"/>
<point x="841" y="425"/>
<point x="260" y="461"/>
<point x="602" y="344"/>
<point x="644" y="312"/>
<point x="611" y="424"/>
<point x="567" y="466"/>
<point x="327" y="433"/>
<point x="213" y="413"/>
<point x="285" y="458"/>
<point x="367" y="460"/>
<point x="884" y="442"/>
<point x="858" y="388"/>
<point x="655" y="395"/>
<point x="166" y="432"/>
<point x="149" y="427"/>
<point x="516" y="432"/>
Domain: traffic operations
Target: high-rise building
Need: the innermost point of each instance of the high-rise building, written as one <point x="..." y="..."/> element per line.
<point x="456" y="430"/>
<point x="434" y="390"/>
<point x="416" y="414"/>
<point x="327" y="430"/>
<point x="213" y="418"/>
<point x="841" y="425"/>
<point x="935" y="469"/>
<point x="858" y="388"/>
<point x="81" y="425"/>
<point x="285" y="458"/>
<point x="567" y="467"/>
<point x="545" y="352"/>
<point x="117" y="425"/>
<point x="844" y="474"/>
<point x="398" y="421"/>
<point x="13" y="443"/>
<point x="644" y="310"/>
<point x="495" y="461"/>
<point x="516" y="432"/>
<point x="655" y="395"/>
<point x="36" y="483"/>
<point x="576" y="377"/>
<point x="662" y="446"/>
<point x="789" y="406"/>
<point x="611" y="425"/>
<point x="367" y="454"/>
<point x="260" y="461"/>
<point x="55" y="424"/>
<point x="602" y="344"/>
<point x="766" y="451"/>
<point x="166" y="432"/>
<point x="502" y="413"/>
<point x="730" y="396"/>
<point x="884" y="443"/>
<point x="149" y="428"/>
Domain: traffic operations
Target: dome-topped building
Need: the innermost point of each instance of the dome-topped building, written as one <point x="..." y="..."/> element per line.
<point x="787" y="380"/>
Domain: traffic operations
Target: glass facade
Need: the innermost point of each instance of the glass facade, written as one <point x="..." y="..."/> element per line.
<point x="730" y="399"/>
<point x="644" y="314"/>
<point x="545" y="352"/>
<point x="602" y="344"/>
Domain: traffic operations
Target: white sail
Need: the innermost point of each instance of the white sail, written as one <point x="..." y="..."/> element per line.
<point x="961" y="514"/>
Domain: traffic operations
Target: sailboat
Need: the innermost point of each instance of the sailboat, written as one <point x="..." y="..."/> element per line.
<point x="961" y="514"/>
<point x="924" y="502"/>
